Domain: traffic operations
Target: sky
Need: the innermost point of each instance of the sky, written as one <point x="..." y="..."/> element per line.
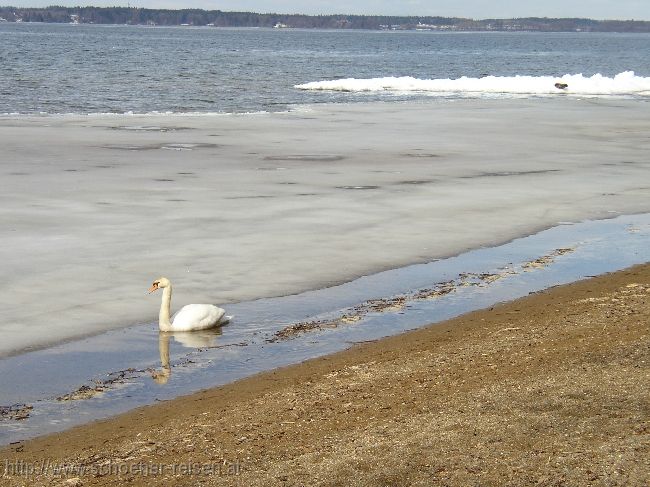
<point x="477" y="9"/>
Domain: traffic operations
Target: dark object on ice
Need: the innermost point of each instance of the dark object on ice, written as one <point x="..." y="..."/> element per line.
<point x="561" y="86"/>
<point x="15" y="411"/>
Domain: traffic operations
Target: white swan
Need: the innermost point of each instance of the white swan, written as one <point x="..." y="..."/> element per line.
<point x="189" y="318"/>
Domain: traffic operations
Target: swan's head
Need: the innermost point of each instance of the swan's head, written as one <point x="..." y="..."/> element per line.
<point x="158" y="283"/>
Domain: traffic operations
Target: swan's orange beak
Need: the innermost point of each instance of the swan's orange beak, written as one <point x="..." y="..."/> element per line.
<point x="153" y="287"/>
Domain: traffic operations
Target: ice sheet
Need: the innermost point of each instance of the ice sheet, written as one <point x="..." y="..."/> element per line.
<point x="237" y="207"/>
<point x="625" y="83"/>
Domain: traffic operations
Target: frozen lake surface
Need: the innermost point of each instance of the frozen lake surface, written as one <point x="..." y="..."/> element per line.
<point x="238" y="207"/>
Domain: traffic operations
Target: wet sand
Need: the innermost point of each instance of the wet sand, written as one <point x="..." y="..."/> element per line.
<point x="550" y="389"/>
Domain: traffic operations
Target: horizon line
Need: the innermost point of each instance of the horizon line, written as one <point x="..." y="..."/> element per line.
<point x="128" y="6"/>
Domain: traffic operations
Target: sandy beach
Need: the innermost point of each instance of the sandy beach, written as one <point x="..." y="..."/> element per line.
<point x="550" y="389"/>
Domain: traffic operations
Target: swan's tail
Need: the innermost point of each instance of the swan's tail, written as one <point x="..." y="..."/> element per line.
<point x="225" y="320"/>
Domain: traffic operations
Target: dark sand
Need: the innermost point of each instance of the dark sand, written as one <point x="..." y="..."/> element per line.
<point x="547" y="390"/>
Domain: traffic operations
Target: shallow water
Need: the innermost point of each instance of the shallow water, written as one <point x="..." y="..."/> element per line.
<point x="125" y="361"/>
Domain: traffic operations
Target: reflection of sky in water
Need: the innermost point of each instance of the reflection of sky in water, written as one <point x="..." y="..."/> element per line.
<point x="240" y="349"/>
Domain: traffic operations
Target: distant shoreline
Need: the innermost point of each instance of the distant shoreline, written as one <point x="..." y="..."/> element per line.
<point x="218" y="18"/>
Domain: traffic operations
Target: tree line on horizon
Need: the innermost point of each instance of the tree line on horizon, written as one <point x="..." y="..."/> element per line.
<point x="218" y="18"/>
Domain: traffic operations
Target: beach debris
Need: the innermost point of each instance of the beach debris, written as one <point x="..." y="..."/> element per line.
<point x="392" y="304"/>
<point x="484" y="278"/>
<point x="545" y="260"/>
<point x="561" y="86"/>
<point x="396" y="304"/>
<point x="350" y="318"/>
<point x="383" y="305"/>
<point x="99" y="386"/>
<point x="15" y="412"/>
<point x="439" y="290"/>
<point x="119" y="376"/>
<point x="296" y="329"/>
<point x="83" y="392"/>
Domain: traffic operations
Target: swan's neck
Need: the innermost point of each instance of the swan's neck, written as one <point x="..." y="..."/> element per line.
<point x="163" y="317"/>
<point x="163" y="349"/>
<point x="162" y="377"/>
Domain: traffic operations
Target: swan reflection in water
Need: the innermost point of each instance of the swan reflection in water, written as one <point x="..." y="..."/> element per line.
<point x="194" y="339"/>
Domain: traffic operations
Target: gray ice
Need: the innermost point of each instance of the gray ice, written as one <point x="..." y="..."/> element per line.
<point x="237" y="207"/>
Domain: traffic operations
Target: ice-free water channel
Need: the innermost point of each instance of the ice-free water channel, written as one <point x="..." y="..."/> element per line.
<point x="106" y="374"/>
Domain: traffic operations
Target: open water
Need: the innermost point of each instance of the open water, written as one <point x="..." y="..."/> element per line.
<point x="54" y="69"/>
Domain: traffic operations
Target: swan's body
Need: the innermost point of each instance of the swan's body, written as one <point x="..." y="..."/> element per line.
<point x="189" y="318"/>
